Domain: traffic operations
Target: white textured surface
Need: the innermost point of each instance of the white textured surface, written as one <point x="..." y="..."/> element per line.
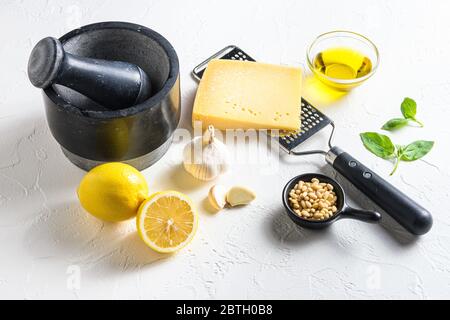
<point x="252" y="252"/>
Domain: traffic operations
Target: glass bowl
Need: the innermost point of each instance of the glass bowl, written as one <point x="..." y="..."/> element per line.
<point x="348" y="40"/>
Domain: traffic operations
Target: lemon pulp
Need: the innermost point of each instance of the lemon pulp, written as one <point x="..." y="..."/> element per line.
<point x="167" y="221"/>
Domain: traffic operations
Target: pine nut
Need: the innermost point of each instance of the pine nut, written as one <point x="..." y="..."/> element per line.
<point x="312" y="195"/>
<point x="313" y="199"/>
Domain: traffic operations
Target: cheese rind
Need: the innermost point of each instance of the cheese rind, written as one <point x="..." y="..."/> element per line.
<point x="249" y="95"/>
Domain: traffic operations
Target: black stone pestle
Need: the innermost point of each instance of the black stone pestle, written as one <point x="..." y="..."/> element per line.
<point x="112" y="84"/>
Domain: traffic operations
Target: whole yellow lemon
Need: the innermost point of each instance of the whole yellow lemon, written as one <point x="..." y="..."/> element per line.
<point x="113" y="191"/>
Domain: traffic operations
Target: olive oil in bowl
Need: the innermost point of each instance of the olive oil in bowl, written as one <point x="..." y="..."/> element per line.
<point x="342" y="63"/>
<point x="342" y="59"/>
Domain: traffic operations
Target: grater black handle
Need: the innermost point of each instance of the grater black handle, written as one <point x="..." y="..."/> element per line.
<point x="408" y="213"/>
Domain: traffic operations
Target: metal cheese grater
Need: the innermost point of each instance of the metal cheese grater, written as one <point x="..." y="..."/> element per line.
<point x="412" y="216"/>
<point x="312" y="120"/>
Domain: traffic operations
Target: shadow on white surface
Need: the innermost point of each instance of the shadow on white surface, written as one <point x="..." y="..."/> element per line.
<point x="283" y="229"/>
<point x="70" y="233"/>
<point x="181" y="180"/>
<point x="63" y="230"/>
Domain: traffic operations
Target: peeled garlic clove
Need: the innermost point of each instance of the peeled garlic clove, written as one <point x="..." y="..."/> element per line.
<point x="240" y="195"/>
<point x="217" y="197"/>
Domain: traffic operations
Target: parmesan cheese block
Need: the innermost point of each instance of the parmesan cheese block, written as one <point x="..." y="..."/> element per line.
<point x="248" y="95"/>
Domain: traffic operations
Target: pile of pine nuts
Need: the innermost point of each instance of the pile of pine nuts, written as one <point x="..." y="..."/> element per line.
<point x="313" y="200"/>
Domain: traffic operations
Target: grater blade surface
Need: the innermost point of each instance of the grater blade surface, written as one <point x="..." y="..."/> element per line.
<point x="312" y="120"/>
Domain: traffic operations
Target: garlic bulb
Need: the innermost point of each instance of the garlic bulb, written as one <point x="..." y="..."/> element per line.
<point x="205" y="157"/>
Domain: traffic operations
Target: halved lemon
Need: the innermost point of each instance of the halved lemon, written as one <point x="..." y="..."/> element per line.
<point x="167" y="221"/>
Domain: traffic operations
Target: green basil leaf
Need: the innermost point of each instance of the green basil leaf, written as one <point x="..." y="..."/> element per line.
<point x="379" y="144"/>
<point x="415" y="150"/>
<point x="395" y="124"/>
<point x="409" y="108"/>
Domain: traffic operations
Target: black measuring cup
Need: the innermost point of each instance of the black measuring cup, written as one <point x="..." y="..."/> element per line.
<point x="343" y="210"/>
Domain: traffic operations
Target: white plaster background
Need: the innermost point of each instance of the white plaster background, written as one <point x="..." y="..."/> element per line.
<point x="251" y="252"/>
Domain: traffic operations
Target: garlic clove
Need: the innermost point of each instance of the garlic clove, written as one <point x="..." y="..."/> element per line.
<point x="217" y="197"/>
<point x="239" y="196"/>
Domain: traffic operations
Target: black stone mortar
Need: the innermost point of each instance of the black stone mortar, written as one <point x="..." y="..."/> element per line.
<point x="90" y="134"/>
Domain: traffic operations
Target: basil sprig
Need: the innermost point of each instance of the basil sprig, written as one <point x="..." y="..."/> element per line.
<point x="382" y="146"/>
<point x="409" y="110"/>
